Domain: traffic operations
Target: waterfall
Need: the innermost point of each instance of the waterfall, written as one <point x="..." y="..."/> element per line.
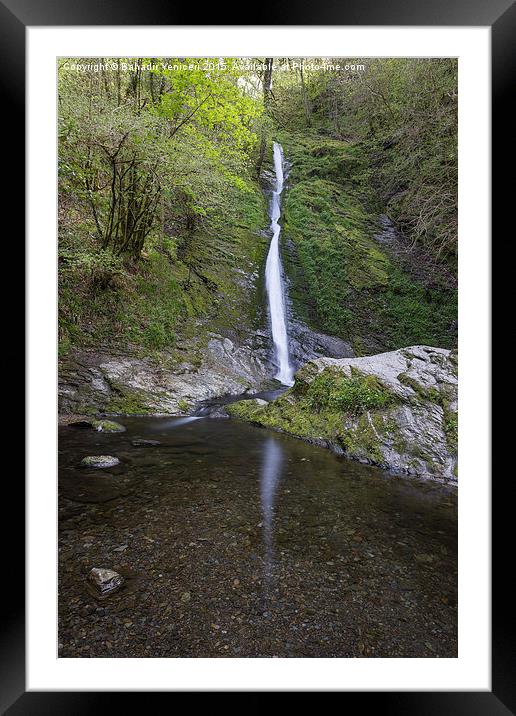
<point x="274" y="279"/>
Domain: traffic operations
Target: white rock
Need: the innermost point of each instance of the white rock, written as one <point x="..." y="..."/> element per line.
<point x="105" y="580"/>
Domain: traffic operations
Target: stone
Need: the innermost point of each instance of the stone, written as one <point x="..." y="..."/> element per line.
<point x="306" y="344"/>
<point x="413" y="432"/>
<point x="105" y="426"/>
<point x="88" y="424"/>
<point x="145" y="443"/>
<point x="108" y="426"/>
<point x="100" y="461"/>
<point x="105" y="581"/>
<point x="141" y="386"/>
<point x="218" y="411"/>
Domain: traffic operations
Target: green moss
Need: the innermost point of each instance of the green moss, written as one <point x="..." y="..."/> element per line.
<point x="336" y="392"/>
<point x="451" y="429"/>
<point x="129" y="403"/>
<point x="430" y="394"/>
<point x="87" y="409"/>
<point x="342" y="280"/>
<point x="183" y="405"/>
<point x="331" y="408"/>
<point x="108" y="426"/>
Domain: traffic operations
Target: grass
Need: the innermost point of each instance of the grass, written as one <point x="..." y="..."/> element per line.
<point x="333" y="391"/>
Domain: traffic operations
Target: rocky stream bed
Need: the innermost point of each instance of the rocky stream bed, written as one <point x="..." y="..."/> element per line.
<point x="234" y="541"/>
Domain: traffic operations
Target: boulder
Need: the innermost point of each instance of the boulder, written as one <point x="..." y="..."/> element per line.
<point x="108" y="426"/>
<point x="397" y="410"/>
<point x="102" y="426"/>
<point x="100" y="461"/>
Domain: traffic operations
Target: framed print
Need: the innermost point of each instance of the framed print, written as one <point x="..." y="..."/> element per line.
<point x="258" y="356"/>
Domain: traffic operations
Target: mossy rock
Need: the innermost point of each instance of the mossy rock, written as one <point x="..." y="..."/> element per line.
<point x="102" y="426"/>
<point x="100" y="461"/>
<point x="370" y="417"/>
<point x="107" y="426"/>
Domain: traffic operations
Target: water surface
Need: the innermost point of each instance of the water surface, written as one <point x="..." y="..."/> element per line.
<point x="236" y="541"/>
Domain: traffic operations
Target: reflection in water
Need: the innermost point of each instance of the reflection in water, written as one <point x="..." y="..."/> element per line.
<point x="361" y="562"/>
<point x="175" y="422"/>
<point x="270" y="475"/>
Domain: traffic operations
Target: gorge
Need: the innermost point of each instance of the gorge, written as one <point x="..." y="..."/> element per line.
<point x="258" y="371"/>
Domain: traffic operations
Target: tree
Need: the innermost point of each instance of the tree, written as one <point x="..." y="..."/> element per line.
<point x="120" y="132"/>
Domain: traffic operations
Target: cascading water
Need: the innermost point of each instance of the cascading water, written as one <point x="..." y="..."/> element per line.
<point x="274" y="279"/>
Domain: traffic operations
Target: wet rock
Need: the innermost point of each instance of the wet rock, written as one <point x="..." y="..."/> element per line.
<point x="100" y="461"/>
<point x="306" y="344"/>
<point x="218" y="412"/>
<point x="105" y="581"/>
<point x="102" y="426"/>
<point x="87" y="424"/>
<point x="145" y="443"/>
<point x="108" y="426"/>
<point x="140" y="386"/>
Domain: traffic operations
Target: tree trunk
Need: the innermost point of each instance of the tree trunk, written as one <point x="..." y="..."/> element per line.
<point x="267" y="94"/>
<point x="306" y="100"/>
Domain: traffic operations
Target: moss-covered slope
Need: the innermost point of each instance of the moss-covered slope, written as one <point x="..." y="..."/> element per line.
<point x="185" y="284"/>
<point x="346" y="278"/>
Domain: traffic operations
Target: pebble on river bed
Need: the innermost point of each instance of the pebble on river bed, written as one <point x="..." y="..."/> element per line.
<point x="100" y="461"/>
<point x="105" y="580"/>
<point x="145" y="443"/>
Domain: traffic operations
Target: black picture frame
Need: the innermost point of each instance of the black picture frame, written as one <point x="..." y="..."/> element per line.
<point x="15" y="16"/>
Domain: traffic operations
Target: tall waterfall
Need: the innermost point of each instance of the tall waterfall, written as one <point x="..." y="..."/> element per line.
<point x="274" y="279"/>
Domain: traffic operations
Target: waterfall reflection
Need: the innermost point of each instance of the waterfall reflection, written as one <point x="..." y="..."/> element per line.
<point x="175" y="422"/>
<point x="270" y="476"/>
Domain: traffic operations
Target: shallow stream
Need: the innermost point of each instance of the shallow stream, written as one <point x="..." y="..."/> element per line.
<point x="237" y="541"/>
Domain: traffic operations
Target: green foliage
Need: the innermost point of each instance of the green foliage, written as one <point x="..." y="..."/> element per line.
<point x="147" y="144"/>
<point x="416" y="314"/>
<point x="401" y="116"/>
<point x="158" y="205"/>
<point x="148" y="304"/>
<point x="99" y="269"/>
<point x="333" y="391"/>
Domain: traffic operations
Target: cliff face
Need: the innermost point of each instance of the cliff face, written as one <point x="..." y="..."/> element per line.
<point x="397" y="410"/>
